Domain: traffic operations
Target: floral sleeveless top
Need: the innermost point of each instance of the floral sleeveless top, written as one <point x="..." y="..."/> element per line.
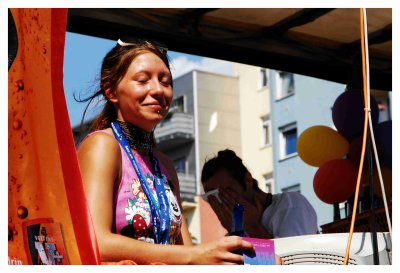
<point x="132" y="214"/>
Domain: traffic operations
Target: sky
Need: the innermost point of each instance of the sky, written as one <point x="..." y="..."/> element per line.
<point x="82" y="61"/>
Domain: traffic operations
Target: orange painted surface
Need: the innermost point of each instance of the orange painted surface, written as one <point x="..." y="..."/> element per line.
<point x="37" y="172"/>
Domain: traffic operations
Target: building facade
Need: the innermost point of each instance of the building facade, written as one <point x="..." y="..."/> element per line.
<point x="255" y="118"/>
<point x="204" y="118"/>
<point x="276" y="107"/>
<point x="297" y="103"/>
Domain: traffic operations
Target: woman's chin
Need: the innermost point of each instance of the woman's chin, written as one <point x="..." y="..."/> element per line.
<point x="153" y="122"/>
<point x="149" y="120"/>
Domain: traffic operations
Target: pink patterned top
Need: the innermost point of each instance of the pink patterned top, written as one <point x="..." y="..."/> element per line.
<point x="132" y="215"/>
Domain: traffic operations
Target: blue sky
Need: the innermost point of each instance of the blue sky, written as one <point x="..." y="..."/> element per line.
<point x="82" y="61"/>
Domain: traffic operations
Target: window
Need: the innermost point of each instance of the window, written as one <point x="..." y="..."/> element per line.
<point x="288" y="137"/>
<point x="263" y="77"/>
<point x="269" y="183"/>
<point x="384" y="110"/>
<point x="285" y="84"/>
<point x="342" y="210"/>
<point x="180" y="165"/>
<point x="178" y="105"/>
<point x="295" y="188"/>
<point x="266" y="131"/>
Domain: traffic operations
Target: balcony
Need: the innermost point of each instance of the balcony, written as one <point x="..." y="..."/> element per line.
<point x="187" y="185"/>
<point x="174" y="131"/>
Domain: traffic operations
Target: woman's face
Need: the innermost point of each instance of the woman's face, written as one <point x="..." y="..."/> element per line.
<point x="145" y="93"/>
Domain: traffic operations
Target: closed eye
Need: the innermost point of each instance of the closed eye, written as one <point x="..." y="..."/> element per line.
<point x="142" y="81"/>
<point x="141" y="77"/>
<point x="165" y="79"/>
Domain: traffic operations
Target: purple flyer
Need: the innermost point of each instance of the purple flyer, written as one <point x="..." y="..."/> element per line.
<point x="265" y="252"/>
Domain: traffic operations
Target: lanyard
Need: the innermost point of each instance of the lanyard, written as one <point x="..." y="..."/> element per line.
<point x="160" y="214"/>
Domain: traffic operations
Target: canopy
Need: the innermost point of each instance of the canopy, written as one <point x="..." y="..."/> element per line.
<point x="317" y="42"/>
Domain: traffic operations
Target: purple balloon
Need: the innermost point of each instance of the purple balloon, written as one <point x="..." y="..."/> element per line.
<point x="348" y="113"/>
<point x="384" y="136"/>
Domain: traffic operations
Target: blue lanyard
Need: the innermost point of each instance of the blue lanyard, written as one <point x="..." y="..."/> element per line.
<point x="160" y="214"/>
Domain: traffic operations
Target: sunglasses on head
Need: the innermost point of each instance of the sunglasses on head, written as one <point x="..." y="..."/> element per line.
<point x="140" y="42"/>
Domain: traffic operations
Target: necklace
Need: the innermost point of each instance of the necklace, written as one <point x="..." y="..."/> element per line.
<point x="137" y="138"/>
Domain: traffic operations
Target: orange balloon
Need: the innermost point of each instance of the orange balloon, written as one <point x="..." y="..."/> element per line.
<point x="319" y="144"/>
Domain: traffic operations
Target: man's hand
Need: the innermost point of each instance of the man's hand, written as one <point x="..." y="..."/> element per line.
<point x="222" y="210"/>
<point x="252" y="212"/>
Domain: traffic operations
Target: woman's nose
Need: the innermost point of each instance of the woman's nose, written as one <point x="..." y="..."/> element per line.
<point x="155" y="87"/>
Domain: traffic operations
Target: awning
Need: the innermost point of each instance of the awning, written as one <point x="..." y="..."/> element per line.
<point x="320" y="42"/>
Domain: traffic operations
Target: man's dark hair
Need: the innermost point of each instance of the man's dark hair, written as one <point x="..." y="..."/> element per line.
<point x="227" y="160"/>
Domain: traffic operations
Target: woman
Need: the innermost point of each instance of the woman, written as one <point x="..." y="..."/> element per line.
<point x="132" y="189"/>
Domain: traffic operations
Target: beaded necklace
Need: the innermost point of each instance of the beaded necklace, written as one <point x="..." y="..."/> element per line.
<point x="137" y="138"/>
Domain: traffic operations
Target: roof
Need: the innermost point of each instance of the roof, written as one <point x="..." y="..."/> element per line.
<point x="317" y="42"/>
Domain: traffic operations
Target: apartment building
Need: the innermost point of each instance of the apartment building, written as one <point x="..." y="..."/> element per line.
<point x="255" y="119"/>
<point x="297" y="103"/>
<point x="204" y="118"/>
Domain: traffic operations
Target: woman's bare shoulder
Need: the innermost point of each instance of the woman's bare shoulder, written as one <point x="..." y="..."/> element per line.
<point x="99" y="147"/>
<point x="98" y="140"/>
<point x="99" y="158"/>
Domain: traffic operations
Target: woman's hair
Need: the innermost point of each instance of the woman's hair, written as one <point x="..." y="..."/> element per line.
<point x="227" y="160"/>
<point x="114" y="67"/>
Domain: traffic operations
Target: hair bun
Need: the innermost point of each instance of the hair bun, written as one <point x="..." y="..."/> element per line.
<point x="226" y="160"/>
<point x="228" y="155"/>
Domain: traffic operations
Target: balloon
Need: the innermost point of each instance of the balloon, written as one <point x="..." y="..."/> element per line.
<point x="355" y="148"/>
<point x="384" y="136"/>
<point x="387" y="182"/>
<point x="335" y="181"/>
<point x="319" y="144"/>
<point x="348" y="113"/>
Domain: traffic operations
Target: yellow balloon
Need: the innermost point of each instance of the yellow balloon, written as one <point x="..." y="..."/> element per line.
<point x="319" y="143"/>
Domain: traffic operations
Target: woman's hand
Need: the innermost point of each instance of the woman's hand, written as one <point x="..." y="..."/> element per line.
<point x="220" y="251"/>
